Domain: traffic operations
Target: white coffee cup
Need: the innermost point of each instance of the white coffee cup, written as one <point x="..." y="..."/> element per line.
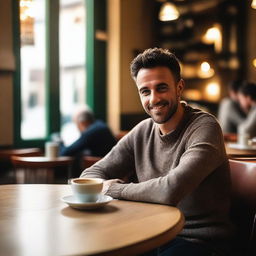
<point x="86" y="189"/>
<point x="243" y="139"/>
<point x="51" y="149"/>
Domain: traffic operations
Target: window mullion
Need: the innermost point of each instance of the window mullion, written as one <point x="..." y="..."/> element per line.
<point x="52" y="67"/>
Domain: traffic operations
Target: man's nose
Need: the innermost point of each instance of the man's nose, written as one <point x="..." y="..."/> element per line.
<point x="154" y="98"/>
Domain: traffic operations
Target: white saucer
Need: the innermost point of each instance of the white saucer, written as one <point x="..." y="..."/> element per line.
<point x="72" y="202"/>
<point x="240" y="146"/>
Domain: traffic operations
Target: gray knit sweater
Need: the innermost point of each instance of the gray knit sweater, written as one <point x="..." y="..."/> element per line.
<point x="187" y="168"/>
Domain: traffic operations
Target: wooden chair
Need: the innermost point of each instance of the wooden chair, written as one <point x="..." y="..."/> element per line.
<point x="230" y="137"/>
<point x="121" y="134"/>
<point x="243" y="211"/>
<point x="90" y="160"/>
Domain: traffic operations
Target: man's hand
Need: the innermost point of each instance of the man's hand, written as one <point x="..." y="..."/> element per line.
<point x="108" y="183"/>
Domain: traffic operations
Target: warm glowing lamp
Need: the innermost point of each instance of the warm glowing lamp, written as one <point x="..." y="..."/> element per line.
<point x="205" y="70"/>
<point x="168" y="12"/>
<point x="205" y="66"/>
<point x="254" y="63"/>
<point x="253" y="5"/>
<point x="212" y="91"/>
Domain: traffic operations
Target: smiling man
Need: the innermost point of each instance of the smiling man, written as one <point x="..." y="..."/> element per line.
<point x="175" y="157"/>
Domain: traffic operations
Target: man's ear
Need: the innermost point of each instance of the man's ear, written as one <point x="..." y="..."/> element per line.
<point x="180" y="87"/>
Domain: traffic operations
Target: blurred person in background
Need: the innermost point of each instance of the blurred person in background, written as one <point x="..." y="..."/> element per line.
<point x="230" y="114"/>
<point x="247" y="100"/>
<point x="95" y="139"/>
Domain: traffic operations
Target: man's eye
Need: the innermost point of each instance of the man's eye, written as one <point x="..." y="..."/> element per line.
<point x="145" y="92"/>
<point x="162" y="89"/>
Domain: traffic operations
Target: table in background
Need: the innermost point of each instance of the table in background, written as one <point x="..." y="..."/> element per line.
<point x="34" y="221"/>
<point x="232" y="152"/>
<point x="6" y="154"/>
<point x="41" y="169"/>
<point x="7" y="174"/>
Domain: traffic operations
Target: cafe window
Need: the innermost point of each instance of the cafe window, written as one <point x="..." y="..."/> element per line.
<point x="72" y="64"/>
<point x="58" y="67"/>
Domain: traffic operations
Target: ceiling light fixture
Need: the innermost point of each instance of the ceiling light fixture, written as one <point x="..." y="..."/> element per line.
<point x="213" y="36"/>
<point x="168" y="12"/>
<point x="205" y="70"/>
<point x="253" y="5"/>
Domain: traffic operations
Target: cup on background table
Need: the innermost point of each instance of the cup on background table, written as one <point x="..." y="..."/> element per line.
<point x="86" y="189"/>
<point x="51" y="149"/>
<point x="243" y="139"/>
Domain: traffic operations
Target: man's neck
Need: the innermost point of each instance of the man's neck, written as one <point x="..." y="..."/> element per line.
<point x="171" y="124"/>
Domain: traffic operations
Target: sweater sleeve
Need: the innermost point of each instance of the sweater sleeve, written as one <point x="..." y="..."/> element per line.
<point x="204" y="153"/>
<point x="118" y="163"/>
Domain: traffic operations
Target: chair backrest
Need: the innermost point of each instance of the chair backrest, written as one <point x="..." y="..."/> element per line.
<point x="90" y="160"/>
<point x="243" y="177"/>
<point x="230" y="137"/>
<point x="121" y="134"/>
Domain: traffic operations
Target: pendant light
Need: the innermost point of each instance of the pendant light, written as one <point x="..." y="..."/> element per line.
<point x="253" y="5"/>
<point x="168" y="12"/>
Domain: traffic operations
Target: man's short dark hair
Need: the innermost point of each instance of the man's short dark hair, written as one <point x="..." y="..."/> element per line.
<point x="156" y="57"/>
<point x="248" y="89"/>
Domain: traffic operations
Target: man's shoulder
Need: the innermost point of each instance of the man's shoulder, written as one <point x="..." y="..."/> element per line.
<point x="197" y="115"/>
<point x="144" y="124"/>
<point x="252" y="111"/>
<point x="98" y="127"/>
<point x="226" y="101"/>
<point x="143" y="128"/>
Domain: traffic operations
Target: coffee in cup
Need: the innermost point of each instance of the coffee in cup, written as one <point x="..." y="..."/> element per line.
<point x="86" y="189"/>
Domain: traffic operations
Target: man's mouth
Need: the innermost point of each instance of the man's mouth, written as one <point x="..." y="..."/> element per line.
<point x="158" y="107"/>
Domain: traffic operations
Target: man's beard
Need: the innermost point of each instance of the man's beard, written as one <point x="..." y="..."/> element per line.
<point x="168" y="116"/>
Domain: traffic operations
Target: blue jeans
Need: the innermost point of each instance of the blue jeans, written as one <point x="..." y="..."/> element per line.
<point x="181" y="247"/>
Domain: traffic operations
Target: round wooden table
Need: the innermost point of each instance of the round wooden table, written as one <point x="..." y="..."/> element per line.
<point x="34" y="221"/>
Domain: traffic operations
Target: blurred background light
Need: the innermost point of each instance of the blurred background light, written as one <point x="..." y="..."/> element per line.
<point x="212" y="91"/>
<point x="168" y="12"/>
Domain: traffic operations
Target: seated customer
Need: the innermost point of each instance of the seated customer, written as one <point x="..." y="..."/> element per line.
<point x="230" y="115"/>
<point x="96" y="138"/>
<point x="177" y="157"/>
<point x="247" y="99"/>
